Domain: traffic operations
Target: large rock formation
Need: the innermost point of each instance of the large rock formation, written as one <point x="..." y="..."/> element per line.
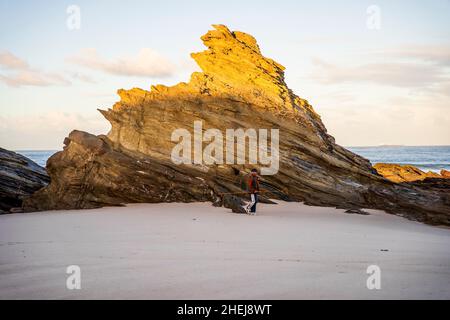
<point x="19" y="178"/>
<point x="238" y="88"/>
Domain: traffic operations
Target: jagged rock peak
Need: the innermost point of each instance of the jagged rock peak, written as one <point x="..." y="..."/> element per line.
<point x="235" y="57"/>
<point x="233" y="70"/>
<point x="234" y="64"/>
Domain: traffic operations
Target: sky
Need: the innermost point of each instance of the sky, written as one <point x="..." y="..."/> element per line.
<point x="378" y="72"/>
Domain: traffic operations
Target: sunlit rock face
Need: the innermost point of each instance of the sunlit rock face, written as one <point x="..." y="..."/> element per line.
<point x="237" y="88"/>
<point x="404" y="173"/>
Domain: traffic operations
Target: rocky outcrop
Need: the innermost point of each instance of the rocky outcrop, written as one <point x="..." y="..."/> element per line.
<point x="445" y="174"/>
<point x="91" y="173"/>
<point x="403" y="173"/>
<point x="437" y="184"/>
<point x="238" y="88"/>
<point x="19" y="178"/>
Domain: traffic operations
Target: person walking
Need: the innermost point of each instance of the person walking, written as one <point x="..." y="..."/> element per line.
<point x="253" y="188"/>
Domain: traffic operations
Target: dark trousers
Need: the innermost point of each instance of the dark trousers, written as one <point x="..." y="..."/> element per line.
<point x="254" y="201"/>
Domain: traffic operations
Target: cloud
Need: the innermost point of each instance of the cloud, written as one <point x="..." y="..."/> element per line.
<point x="10" y="61"/>
<point x="407" y="66"/>
<point x="437" y="54"/>
<point x="147" y="63"/>
<point x="20" y="73"/>
<point x="33" y="78"/>
<point x="399" y="95"/>
<point x="82" y="77"/>
<point x="398" y="120"/>
<point x="317" y="39"/>
<point x="400" y="74"/>
<point x="441" y="89"/>
<point x="47" y="130"/>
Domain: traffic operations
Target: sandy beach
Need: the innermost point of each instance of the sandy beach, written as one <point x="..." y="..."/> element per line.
<point x="197" y="251"/>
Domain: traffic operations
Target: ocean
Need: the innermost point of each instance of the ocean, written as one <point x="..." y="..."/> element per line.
<point x="426" y="158"/>
<point x="38" y="156"/>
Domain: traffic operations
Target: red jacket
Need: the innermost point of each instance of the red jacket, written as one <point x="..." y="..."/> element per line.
<point x="253" y="184"/>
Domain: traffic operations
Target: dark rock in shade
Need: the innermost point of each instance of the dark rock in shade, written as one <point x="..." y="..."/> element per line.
<point x="90" y="173"/>
<point x="19" y="178"/>
<point x="357" y="211"/>
<point x="235" y="203"/>
<point x="431" y="184"/>
<point x="238" y="88"/>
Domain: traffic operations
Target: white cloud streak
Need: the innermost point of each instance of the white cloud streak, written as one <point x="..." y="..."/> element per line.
<point x="147" y="63"/>
<point x="408" y="66"/>
<point x="47" y="130"/>
<point x="11" y="62"/>
<point x="399" y="74"/>
<point x="438" y="54"/>
<point x="16" y="72"/>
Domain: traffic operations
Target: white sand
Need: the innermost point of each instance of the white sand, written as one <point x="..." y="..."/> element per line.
<point x="196" y="251"/>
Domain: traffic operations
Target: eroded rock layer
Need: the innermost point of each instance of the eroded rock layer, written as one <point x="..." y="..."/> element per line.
<point x="238" y="88"/>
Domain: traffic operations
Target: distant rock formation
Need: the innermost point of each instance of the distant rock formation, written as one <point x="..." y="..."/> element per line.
<point x="404" y="173"/>
<point x="238" y="88"/>
<point x="445" y="174"/>
<point x="19" y="178"/>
